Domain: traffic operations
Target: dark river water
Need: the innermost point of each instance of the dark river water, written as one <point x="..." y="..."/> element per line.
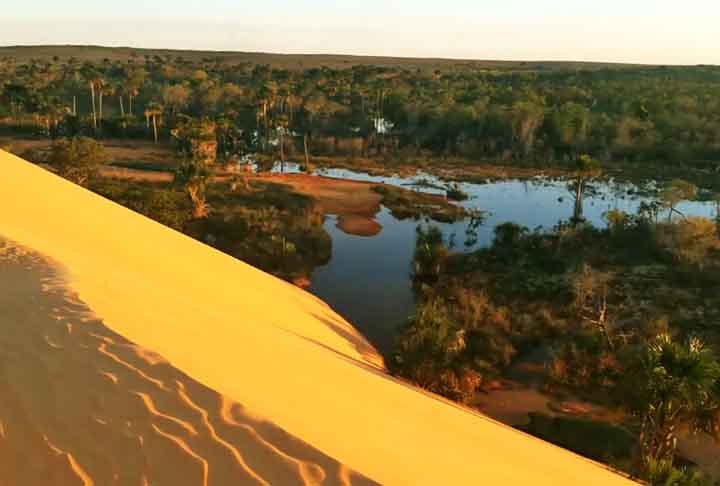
<point x="368" y="278"/>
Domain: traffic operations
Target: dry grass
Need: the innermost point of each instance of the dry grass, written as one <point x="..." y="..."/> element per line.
<point x="139" y="154"/>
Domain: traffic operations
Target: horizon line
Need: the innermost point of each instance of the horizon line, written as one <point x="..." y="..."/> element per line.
<point x="371" y="56"/>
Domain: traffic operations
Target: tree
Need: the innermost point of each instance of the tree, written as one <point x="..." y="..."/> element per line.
<point x="135" y="80"/>
<point x="689" y="240"/>
<point x="197" y="140"/>
<point x="585" y="169"/>
<point x="107" y="88"/>
<point x="716" y="199"/>
<point x="571" y="127"/>
<point x="526" y="118"/>
<point x="676" y="192"/>
<point x="18" y="96"/>
<point x="176" y="97"/>
<point x="229" y="137"/>
<point x="671" y="385"/>
<point x="590" y="289"/>
<point x="94" y="81"/>
<point x="194" y="177"/>
<point x="431" y="353"/>
<point x="430" y="255"/>
<point x="152" y="112"/>
<point x="77" y="159"/>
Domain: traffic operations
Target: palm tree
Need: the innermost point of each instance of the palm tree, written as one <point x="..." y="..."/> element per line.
<point x="134" y="81"/>
<point x="71" y="77"/>
<point x="585" y="168"/>
<point x="153" y="111"/>
<point x="281" y="129"/>
<point x="107" y="88"/>
<point x="120" y="91"/>
<point x="670" y="386"/>
<point x="91" y="77"/>
<point x="51" y="114"/>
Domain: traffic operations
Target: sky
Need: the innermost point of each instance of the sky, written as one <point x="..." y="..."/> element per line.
<point x="644" y="31"/>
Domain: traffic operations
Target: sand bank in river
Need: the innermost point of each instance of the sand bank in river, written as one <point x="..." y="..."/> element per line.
<point x="354" y="202"/>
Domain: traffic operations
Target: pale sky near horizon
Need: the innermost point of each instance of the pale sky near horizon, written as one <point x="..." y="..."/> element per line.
<point x="646" y="31"/>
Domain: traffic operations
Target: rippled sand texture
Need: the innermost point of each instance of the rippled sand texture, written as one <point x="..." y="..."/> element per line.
<point x="80" y="405"/>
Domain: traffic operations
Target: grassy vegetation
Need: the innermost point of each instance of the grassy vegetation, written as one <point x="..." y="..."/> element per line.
<point x="142" y="165"/>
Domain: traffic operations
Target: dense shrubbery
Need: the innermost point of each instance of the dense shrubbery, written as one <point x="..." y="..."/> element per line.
<point x="77" y="159"/>
<point x="264" y="224"/>
<point x="268" y="226"/>
<point x="159" y="202"/>
<point x="622" y="314"/>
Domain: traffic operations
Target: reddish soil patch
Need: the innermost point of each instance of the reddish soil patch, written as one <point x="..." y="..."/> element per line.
<point x="358" y="225"/>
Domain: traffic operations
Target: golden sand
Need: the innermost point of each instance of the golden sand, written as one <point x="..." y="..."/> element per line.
<point x="136" y="350"/>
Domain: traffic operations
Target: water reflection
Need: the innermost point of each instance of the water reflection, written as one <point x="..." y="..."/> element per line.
<point x="367" y="279"/>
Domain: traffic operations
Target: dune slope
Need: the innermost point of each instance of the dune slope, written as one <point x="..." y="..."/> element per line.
<point x="79" y="404"/>
<point x="204" y="368"/>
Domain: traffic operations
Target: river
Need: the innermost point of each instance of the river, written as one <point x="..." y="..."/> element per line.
<point x="368" y="278"/>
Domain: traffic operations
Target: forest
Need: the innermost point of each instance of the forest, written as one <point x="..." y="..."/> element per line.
<point x="540" y="117"/>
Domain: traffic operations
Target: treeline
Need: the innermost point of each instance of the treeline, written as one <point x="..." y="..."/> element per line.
<point x="659" y="114"/>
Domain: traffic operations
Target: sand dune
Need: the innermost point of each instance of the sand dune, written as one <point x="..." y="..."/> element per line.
<point x="131" y="354"/>
<point x="80" y="404"/>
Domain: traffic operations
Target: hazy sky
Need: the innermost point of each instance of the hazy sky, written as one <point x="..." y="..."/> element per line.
<point x="652" y="31"/>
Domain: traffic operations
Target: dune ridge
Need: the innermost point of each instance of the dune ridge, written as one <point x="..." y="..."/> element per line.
<point x="81" y="405"/>
<point x="221" y="370"/>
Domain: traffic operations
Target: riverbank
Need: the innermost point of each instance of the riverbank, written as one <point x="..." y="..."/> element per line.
<point x="147" y="156"/>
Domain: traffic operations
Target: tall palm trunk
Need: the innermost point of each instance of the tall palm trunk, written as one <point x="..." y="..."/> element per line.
<point x="267" y="124"/>
<point x="155" y="128"/>
<point x="92" y="98"/>
<point x="122" y="107"/>
<point x="101" y="107"/>
<point x="578" y="210"/>
<point x="282" y="150"/>
<point x="74" y="112"/>
<point x="307" y="155"/>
